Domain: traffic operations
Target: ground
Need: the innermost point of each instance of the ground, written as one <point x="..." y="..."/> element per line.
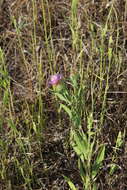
<point x="39" y="38"/>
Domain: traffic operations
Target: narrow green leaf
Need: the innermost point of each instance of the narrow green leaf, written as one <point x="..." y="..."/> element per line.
<point x="12" y="126"/>
<point x="95" y="170"/>
<point x="101" y="155"/>
<point x="82" y="170"/>
<point x="119" y="140"/>
<point x="79" y="144"/>
<point x="94" y="186"/>
<point x="34" y="127"/>
<point x="90" y="122"/>
<point x="113" y="168"/>
<point x="74" y="6"/>
<point x="67" y="110"/>
<point x="98" y="162"/>
<point x="71" y="185"/>
<point x="61" y="97"/>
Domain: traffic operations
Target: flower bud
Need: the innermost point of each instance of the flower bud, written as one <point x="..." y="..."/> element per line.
<point x="56" y="82"/>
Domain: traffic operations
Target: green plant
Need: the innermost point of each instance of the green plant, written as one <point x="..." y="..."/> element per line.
<point x="85" y="144"/>
<point x="118" y="144"/>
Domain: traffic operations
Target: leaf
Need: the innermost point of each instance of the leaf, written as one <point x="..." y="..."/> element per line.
<point x="113" y="168"/>
<point x="12" y="126"/>
<point x="71" y="185"/>
<point x="95" y="170"/>
<point x="61" y="97"/>
<point x="119" y="140"/>
<point x="74" y="6"/>
<point x="90" y="122"/>
<point x="6" y="97"/>
<point x="74" y="80"/>
<point x="82" y="170"/>
<point x="67" y="110"/>
<point x="94" y="187"/>
<point x="79" y="144"/>
<point x="76" y="120"/>
<point x="98" y="162"/>
<point x="34" y="127"/>
<point x="90" y="148"/>
<point x="101" y="155"/>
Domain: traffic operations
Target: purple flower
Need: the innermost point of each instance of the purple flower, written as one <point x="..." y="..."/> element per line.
<point x="55" y="79"/>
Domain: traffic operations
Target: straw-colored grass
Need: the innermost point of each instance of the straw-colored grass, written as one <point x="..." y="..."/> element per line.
<point x="74" y="137"/>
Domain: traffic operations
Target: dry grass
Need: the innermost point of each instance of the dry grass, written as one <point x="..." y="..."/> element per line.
<point x="38" y="39"/>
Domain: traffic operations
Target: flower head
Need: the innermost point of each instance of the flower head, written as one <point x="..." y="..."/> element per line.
<point x="55" y="79"/>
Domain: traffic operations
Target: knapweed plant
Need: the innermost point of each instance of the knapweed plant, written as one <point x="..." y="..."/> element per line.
<point x="85" y="144"/>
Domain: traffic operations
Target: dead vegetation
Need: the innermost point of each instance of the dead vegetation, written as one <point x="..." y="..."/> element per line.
<point x="36" y="39"/>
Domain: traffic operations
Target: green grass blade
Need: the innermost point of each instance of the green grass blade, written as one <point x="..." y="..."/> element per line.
<point x="71" y="185"/>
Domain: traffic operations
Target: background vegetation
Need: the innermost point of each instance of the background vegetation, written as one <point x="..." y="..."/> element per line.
<point x="75" y="137"/>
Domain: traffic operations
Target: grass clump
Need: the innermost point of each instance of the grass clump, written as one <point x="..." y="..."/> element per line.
<point x="74" y="134"/>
